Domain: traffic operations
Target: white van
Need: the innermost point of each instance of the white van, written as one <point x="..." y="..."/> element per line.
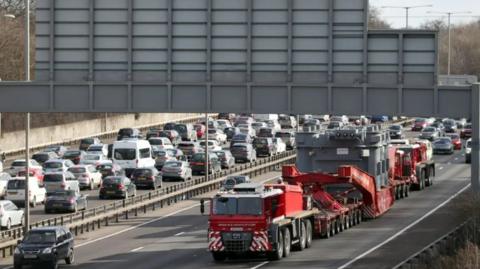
<point x="131" y="154"/>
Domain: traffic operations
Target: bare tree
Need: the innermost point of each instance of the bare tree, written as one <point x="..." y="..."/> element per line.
<point x="375" y="21"/>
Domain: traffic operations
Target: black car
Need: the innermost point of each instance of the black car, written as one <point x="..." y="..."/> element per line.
<point x="42" y="157"/>
<point x="69" y="200"/>
<point x="197" y="163"/>
<point x="128" y="133"/>
<point x="74" y="155"/>
<point x="241" y="138"/>
<point x="45" y="247"/>
<point x="147" y="177"/>
<point x="87" y="142"/>
<point x="231" y="132"/>
<point x="58" y="149"/>
<point x="264" y="146"/>
<point x="169" y="126"/>
<point x="117" y="187"/>
<point x="108" y="170"/>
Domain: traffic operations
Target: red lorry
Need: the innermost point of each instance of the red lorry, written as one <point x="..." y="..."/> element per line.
<point x="273" y="218"/>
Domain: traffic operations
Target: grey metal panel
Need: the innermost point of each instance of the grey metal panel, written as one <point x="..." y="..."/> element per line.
<point x="64" y="94"/>
<point x="150" y="98"/>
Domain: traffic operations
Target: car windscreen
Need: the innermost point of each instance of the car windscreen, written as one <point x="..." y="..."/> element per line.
<point x="40" y="237"/>
<point x="237" y="206"/>
<point x="260" y="142"/>
<point x="155" y="142"/>
<point x="198" y="157"/>
<point x="96" y="148"/>
<point x="183" y="145"/>
<point x="87" y="141"/>
<point x="19" y="163"/>
<point x="125" y="154"/>
<point x="429" y="130"/>
<point x="173" y="164"/>
<point x="41" y="157"/>
<point x="420" y="120"/>
<point x="72" y="154"/>
<point x="112" y="180"/>
<point x="77" y="170"/>
<point x="395" y="128"/>
<point x="53" y="178"/>
<point x="220" y="154"/>
<point x="15" y="184"/>
<point x="181" y="128"/>
<point x="67" y="193"/>
<point x="92" y="157"/>
<point x="283" y="135"/>
<point x="52" y="165"/>
<point x="142" y="172"/>
<point x="125" y="132"/>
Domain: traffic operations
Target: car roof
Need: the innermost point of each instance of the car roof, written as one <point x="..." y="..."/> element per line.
<point x="50" y="228"/>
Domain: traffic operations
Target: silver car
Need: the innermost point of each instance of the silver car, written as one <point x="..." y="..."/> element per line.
<point x="430" y="133"/>
<point x="177" y="170"/>
<point x="243" y="152"/>
<point x="57" y="165"/>
<point x="443" y="145"/>
<point x="60" y="182"/>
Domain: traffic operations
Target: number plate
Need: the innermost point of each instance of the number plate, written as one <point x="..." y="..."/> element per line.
<point x="29" y="256"/>
<point x="110" y="192"/>
<point x="57" y="205"/>
<point x="236" y="236"/>
<point x="141" y="178"/>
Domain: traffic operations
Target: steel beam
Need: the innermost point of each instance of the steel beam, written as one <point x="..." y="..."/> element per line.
<point x="475" y="157"/>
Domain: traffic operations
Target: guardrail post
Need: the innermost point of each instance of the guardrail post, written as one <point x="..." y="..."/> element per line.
<point x="126" y="214"/>
<point x="83" y="215"/>
<point x="61" y="220"/>
<point x="136" y="211"/>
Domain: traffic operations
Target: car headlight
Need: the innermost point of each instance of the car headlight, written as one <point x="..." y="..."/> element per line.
<point x="47" y="251"/>
<point x="17" y="251"/>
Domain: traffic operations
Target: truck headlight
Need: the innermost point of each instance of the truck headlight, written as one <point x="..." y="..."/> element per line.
<point x="47" y="251"/>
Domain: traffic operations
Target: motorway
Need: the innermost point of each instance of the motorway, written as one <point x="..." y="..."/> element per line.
<point x="178" y="239"/>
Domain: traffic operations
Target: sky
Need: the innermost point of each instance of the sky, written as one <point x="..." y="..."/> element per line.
<point x="396" y="17"/>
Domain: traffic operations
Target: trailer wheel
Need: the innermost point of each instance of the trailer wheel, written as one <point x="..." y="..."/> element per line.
<point x="309" y="234"/>
<point x="396" y="193"/>
<point x="360" y="217"/>
<point x="407" y="191"/>
<point x="346" y="222"/>
<point x="278" y="253"/>
<point x="219" y="256"/>
<point x="351" y="219"/>
<point x="331" y="229"/>
<point x="341" y="224"/>
<point x="303" y="238"/>
<point x="402" y="191"/>
<point x="287" y="242"/>
<point x="328" y="233"/>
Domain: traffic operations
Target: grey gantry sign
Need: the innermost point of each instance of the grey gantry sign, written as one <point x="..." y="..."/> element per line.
<point x="289" y="56"/>
<point x="260" y="56"/>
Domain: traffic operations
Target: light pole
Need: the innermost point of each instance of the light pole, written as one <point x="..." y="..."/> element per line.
<point x="407" y="11"/>
<point x="27" y="117"/>
<point x="449" y="15"/>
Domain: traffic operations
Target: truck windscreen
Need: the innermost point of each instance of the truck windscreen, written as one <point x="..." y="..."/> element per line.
<point x="237" y="206"/>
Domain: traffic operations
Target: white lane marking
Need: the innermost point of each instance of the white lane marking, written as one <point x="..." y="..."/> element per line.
<point x="440" y="168"/>
<point x="404" y="229"/>
<point x="136" y="249"/>
<point x="179" y="234"/>
<point x="260" y="265"/>
<point x="148" y="222"/>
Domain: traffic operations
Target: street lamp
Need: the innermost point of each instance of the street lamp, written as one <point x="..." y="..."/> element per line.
<point x="449" y="15"/>
<point x="27" y="117"/>
<point x="407" y="11"/>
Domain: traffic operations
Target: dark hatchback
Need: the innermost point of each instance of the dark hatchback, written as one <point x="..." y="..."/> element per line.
<point x="74" y="155"/>
<point x="108" y="170"/>
<point x="61" y="201"/>
<point x="117" y="187"/>
<point x="147" y="178"/>
<point x="45" y="247"/>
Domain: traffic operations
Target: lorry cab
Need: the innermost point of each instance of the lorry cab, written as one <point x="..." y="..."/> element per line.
<point x="131" y="154"/>
<point x="251" y="217"/>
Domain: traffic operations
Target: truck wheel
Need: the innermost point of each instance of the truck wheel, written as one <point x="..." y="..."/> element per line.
<point x="331" y="229"/>
<point x="346" y="222"/>
<point x="309" y="234"/>
<point x="328" y="231"/>
<point x="407" y="191"/>
<point x="341" y="224"/>
<point x="431" y="176"/>
<point x="278" y="253"/>
<point x="302" y="241"/>
<point x="219" y="256"/>
<point x="402" y="191"/>
<point x="422" y="180"/>
<point x="287" y="242"/>
<point x="337" y="228"/>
